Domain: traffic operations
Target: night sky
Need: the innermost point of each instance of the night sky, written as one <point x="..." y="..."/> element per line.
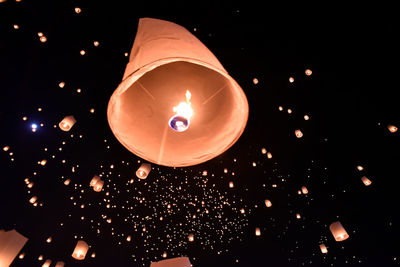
<point x="349" y="99"/>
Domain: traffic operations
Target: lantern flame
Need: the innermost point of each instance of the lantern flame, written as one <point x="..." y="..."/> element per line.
<point x="183" y="112"/>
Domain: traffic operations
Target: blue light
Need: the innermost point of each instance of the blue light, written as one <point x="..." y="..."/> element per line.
<point x="34" y="126"/>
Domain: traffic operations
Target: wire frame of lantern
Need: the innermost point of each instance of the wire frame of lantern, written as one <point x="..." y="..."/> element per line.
<point x="323" y="248"/>
<point x="98" y="186"/>
<point x="67" y="123"/>
<point x="60" y="264"/>
<point x="94" y="180"/>
<point x="143" y="171"/>
<point x="80" y="250"/>
<point x="366" y="181"/>
<point x="304" y="190"/>
<point x="338" y="231"/>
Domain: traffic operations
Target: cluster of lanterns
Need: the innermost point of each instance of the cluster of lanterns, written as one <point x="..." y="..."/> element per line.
<point x="96" y="183"/>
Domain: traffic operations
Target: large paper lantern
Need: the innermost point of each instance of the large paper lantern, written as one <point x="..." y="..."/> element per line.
<point x="175" y="262"/>
<point x="11" y="242"/>
<point x="143" y="171"/>
<point x="60" y="264"/>
<point x="80" y="250"/>
<point x="338" y="231"/>
<point x="67" y="123"/>
<point x="176" y="105"/>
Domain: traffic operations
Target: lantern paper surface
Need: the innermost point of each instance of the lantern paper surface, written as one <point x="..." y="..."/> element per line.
<point x="60" y="264"/>
<point x="167" y="62"/>
<point x="11" y="242"/>
<point x="366" y="181"/>
<point x="80" y="250"/>
<point x="175" y="262"/>
<point x="338" y="232"/>
<point x="143" y="171"/>
<point x="67" y="123"/>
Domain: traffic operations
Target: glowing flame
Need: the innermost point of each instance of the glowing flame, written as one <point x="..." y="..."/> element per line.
<point x="184" y="109"/>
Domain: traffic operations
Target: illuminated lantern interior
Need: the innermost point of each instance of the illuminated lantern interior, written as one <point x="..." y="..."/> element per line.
<point x="177" y="105"/>
<point x="80" y="250"/>
<point x="338" y="232"/>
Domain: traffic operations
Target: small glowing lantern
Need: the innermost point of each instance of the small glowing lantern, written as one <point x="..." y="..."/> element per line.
<point x="308" y="72"/>
<point x="263" y="151"/>
<point x="298" y="216"/>
<point x="338" y="232"/>
<point x="306" y="117"/>
<point x="143" y="171"/>
<point x="392" y="128"/>
<point x="61" y="84"/>
<point x="43" y="162"/>
<point x="269" y="155"/>
<point x="291" y="79"/>
<point x="96" y="43"/>
<point x="255" y="81"/>
<point x="80" y="250"/>
<point x="46" y="263"/>
<point x="30" y="185"/>
<point x="66" y="182"/>
<point x="67" y="123"/>
<point x="22" y="255"/>
<point x="204" y="173"/>
<point x="258" y="231"/>
<point x="147" y="112"/>
<point x="33" y="199"/>
<point x="6" y="148"/>
<point x="164" y="255"/>
<point x="304" y="190"/>
<point x="360" y="168"/>
<point x="40" y="257"/>
<point x="82" y="52"/>
<point x="225" y="170"/>
<point x="78" y="10"/>
<point x="366" y="181"/>
<point x="268" y="203"/>
<point x="298" y="134"/>
<point x="323" y="248"/>
<point x="93" y="255"/>
<point x="191" y="237"/>
<point x="231" y="185"/>
<point x="43" y="39"/>
<point x="49" y="239"/>
<point x="94" y="180"/>
<point x="98" y="186"/>
<point x="60" y="264"/>
<point x="128" y="238"/>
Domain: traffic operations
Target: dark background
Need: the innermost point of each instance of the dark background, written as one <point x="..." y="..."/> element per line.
<point x="350" y="98"/>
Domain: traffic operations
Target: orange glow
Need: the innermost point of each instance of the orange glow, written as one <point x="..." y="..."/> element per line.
<point x="80" y="250"/>
<point x="392" y="128"/>
<point x="258" y="231"/>
<point x="231" y="185"/>
<point x="298" y="134"/>
<point x="263" y="151"/>
<point x="268" y="203"/>
<point x="291" y="79"/>
<point x="304" y="190"/>
<point x="338" y="232"/>
<point x="191" y="237"/>
<point x="67" y="123"/>
<point x="323" y="248"/>
<point x="308" y="72"/>
<point x="366" y="181"/>
<point x="143" y="171"/>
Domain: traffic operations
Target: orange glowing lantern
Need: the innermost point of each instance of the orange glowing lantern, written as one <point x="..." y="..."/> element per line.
<point x="263" y="151"/>
<point x="291" y="79"/>
<point x="49" y="239"/>
<point x="66" y="182"/>
<point x="11" y="243"/>
<point x="323" y="248"/>
<point x="175" y="262"/>
<point x="98" y="186"/>
<point x="191" y="237"/>
<point x="33" y="199"/>
<point x="67" y="123"/>
<point x="128" y="238"/>
<point x="366" y="181"/>
<point x="231" y="185"/>
<point x="269" y="155"/>
<point x="392" y="128"/>
<point x="60" y="264"/>
<point x="94" y="180"/>
<point x="148" y="113"/>
<point x="298" y="216"/>
<point x="268" y="203"/>
<point x="22" y="255"/>
<point x="255" y="81"/>
<point x="46" y="263"/>
<point x="304" y="190"/>
<point x="164" y="255"/>
<point x="143" y="171"/>
<point x="308" y="72"/>
<point x="6" y="148"/>
<point x="80" y="250"/>
<point x="338" y="232"/>
<point x="360" y="168"/>
<point x="298" y="134"/>
<point x="258" y="231"/>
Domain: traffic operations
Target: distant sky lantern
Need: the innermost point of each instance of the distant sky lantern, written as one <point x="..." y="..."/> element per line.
<point x="33" y="199"/>
<point x="96" y="43"/>
<point x="94" y="180"/>
<point x="263" y="151"/>
<point x="22" y="255"/>
<point x="258" y="231"/>
<point x="392" y="128"/>
<point x="61" y="84"/>
<point x="242" y="211"/>
<point x="269" y="155"/>
<point x="299" y="192"/>
<point x="191" y="237"/>
<point x="60" y="264"/>
<point x="143" y="171"/>
<point x="11" y="243"/>
<point x="280" y="108"/>
<point x="98" y="186"/>
<point x="66" y="182"/>
<point x="231" y="185"/>
<point x="49" y="239"/>
<point x="268" y="203"/>
<point x="176" y="106"/>
<point x="16" y="26"/>
<point x="80" y="250"/>
<point x="308" y="72"/>
<point x="298" y="134"/>
<point x="323" y="248"/>
<point x="43" y="162"/>
<point x="306" y="117"/>
<point x="6" y="148"/>
<point x="204" y="173"/>
<point x="78" y="10"/>
<point x="360" y="168"/>
<point x="67" y="123"/>
<point x="291" y="79"/>
<point x="40" y="257"/>
<point x="289" y="111"/>
<point x="338" y="232"/>
<point x="366" y="181"/>
<point x="128" y="238"/>
<point x="46" y="263"/>
<point x="82" y="52"/>
<point x="298" y="216"/>
<point x="255" y="81"/>
<point x="304" y="190"/>
<point x="225" y="170"/>
<point x="164" y="255"/>
<point x="92" y="110"/>
<point x="43" y="39"/>
<point x="93" y="255"/>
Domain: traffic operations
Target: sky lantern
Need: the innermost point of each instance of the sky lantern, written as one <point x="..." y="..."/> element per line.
<point x="366" y="181"/>
<point x="33" y="199"/>
<point x="392" y="128"/>
<point x="66" y="182"/>
<point x="268" y="203"/>
<point x="360" y="168"/>
<point x="191" y="237"/>
<point x="258" y="231"/>
<point x="255" y="81"/>
<point x="291" y="79"/>
<point x="46" y="263"/>
<point x="263" y="150"/>
<point x="231" y="185"/>
<point x="60" y="264"/>
<point x="11" y="243"/>
<point x="174" y="262"/>
<point x="67" y="123"/>
<point x="143" y="171"/>
<point x="164" y="255"/>
<point x="6" y="148"/>
<point x="308" y="72"/>
<point x="98" y="186"/>
<point x="323" y="248"/>
<point x="176" y="105"/>
<point x="338" y="232"/>
<point x="22" y="255"/>
<point x="94" y="180"/>
<point x="269" y="155"/>
<point x="298" y="134"/>
<point x="49" y="239"/>
<point x="304" y="190"/>
<point x="80" y="250"/>
<point x="128" y="238"/>
<point x="298" y="216"/>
